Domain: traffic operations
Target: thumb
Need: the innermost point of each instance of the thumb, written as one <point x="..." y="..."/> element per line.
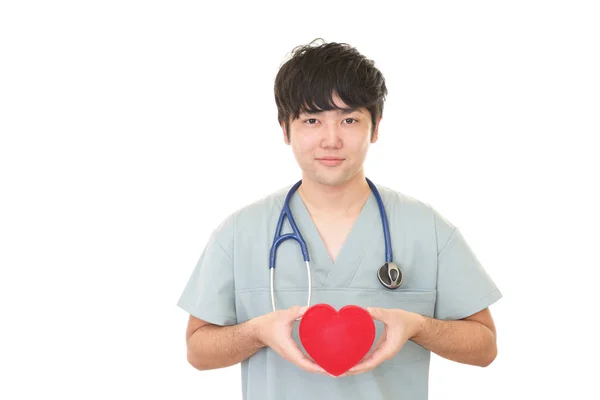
<point x="297" y="311"/>
<point x="376" y="312"/>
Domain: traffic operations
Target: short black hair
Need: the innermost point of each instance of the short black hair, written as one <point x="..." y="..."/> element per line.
<point x="308" y="80"/>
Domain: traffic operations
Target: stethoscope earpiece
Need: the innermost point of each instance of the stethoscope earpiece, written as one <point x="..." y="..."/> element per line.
<point x="390" y="275"/>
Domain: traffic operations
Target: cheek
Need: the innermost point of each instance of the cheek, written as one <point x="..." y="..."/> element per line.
<point x="359" y="144"/>
<point x="304" y="143"/>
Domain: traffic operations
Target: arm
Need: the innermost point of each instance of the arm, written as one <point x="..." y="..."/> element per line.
<point x="211" y="346"/>
<point x="471" y="340"/>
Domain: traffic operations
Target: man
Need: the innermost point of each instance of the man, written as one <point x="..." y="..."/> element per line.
<point x="330" y="102"/>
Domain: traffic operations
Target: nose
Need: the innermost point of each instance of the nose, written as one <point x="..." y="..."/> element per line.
<point x="331" y="136"/>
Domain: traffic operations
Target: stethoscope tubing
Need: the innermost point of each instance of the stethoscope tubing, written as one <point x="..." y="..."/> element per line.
<point x="309" y="287"/>
<point x="297" y="236"/>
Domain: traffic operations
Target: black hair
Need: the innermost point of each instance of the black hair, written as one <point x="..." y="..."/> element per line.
<point x="308" y="80"/>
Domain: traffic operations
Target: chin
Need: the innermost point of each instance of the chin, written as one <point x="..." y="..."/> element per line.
<point x="331" y="179"/>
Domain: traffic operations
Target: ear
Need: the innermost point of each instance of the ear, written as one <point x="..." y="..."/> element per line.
<point x="376" y="132"/>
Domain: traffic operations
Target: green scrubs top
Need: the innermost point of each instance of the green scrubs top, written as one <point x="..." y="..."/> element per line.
<point x="442" y="278"/>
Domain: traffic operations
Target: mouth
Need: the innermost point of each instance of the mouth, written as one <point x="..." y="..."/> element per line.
<point x="330" y="161"/>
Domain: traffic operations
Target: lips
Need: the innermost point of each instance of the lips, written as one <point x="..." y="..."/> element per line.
<point x="330" y="161"/>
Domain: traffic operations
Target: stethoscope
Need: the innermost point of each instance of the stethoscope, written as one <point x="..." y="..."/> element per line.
<point x="389" y="274"/>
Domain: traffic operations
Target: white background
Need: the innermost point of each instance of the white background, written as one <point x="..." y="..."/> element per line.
<point x="130" y="129"/>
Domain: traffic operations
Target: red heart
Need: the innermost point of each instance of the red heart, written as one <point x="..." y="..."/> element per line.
<point x="336" y="340"/>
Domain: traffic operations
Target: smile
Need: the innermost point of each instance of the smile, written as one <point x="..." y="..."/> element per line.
<point x="330" y="162"/>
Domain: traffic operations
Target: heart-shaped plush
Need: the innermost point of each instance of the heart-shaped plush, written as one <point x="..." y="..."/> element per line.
<point x="337" y="341"/>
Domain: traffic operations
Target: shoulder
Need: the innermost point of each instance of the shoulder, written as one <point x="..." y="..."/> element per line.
<point x="252" y="215"/>
<point x="416" y="212"/>
<point x="402" y="203"/>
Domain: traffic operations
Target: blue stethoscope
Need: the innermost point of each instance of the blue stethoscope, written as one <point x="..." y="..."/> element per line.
<point x="389" y="274"/>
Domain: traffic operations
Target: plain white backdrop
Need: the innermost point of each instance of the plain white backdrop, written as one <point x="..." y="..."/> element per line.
<point x="130" y="129"/>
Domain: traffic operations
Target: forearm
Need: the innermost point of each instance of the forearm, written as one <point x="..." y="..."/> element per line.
<point x="212" y="346"/>
<point x="468" y="342"/>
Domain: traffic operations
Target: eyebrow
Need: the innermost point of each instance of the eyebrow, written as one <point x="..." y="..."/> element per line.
<point x="343" y="111"/>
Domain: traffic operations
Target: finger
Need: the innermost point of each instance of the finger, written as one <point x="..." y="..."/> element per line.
<point x="360" y="368"/>
<point x="321" y="371"/>
<point x="363" y="366"/>
<point x="379" y="344"/>
<point x="307" y="365"/>
<point x="378" y="313"/>
<point x="296" y="356"/>
<point x="379" y="355"/>
<point x="367" y="363"/>
<point x="350" y="373"/>
<point x="296" y="312"/>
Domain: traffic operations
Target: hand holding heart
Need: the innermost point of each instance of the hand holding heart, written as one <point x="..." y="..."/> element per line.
<point x="275" y="330"/>
<point x="337" y="340"/>
<point x="399" y="327"/>
<point x="340" y="340"/>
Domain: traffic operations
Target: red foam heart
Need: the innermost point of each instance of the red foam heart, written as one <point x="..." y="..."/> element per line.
<point x="337" y="341"/>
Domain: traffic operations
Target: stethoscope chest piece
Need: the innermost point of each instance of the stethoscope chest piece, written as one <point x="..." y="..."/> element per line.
<point x="390" y="275"/>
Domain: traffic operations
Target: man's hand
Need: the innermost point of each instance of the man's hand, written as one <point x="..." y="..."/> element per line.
<point x="275" y="330"/>
<point x="399" y="326"/>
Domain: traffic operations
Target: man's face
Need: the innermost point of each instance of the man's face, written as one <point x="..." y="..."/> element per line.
<point x="331" y="146"/>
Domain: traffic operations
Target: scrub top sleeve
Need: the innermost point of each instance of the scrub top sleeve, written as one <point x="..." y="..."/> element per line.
<point x="463" y="286"/>
<point x="209" y="292"/>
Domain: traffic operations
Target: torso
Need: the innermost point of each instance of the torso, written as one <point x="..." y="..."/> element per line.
<point x="334" y="233"/>
<point x="334" y="229"/>
<point x="354" y="242"/>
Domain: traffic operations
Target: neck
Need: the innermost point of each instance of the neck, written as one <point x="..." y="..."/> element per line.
<point x="343" y="200"/>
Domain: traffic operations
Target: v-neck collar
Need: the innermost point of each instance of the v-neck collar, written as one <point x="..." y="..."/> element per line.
<point x="336" y="273"/>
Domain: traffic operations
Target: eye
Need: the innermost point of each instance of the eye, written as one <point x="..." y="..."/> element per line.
<point x="352" y="119"/>
<point x="310" y="119"/>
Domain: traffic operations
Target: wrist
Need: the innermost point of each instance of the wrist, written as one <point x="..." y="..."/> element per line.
<point x="420" y="323"/>
<point x="255" y="332"/>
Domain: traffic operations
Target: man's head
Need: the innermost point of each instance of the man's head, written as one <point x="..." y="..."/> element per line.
<point x="330" y="101"/>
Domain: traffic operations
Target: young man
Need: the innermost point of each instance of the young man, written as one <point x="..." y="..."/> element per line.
<point x="330" y="102"/>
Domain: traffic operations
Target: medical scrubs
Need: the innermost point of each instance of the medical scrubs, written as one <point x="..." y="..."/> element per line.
<point x="443" y="279"/>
